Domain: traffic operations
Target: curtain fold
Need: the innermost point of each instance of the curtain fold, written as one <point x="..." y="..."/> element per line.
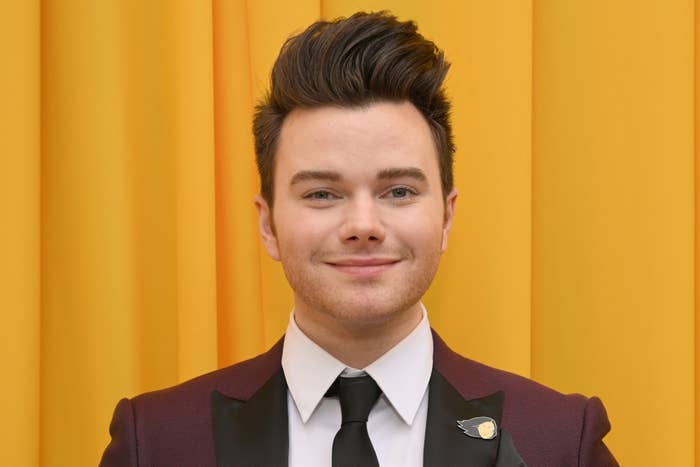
<point x="89" y="324"/>
<point x="20" y="329"/>
<point x="195" y="222"/>
<point x="240" y="333"/>
<point x="129" y="244"/>
<point x="696" y="225"/>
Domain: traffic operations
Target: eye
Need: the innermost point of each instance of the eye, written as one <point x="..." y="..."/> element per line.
<point x="320" y="195"/>
<point x="401" y="192"/>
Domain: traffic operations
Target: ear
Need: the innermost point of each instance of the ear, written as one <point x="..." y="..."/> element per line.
<point x="266" y="227"/>
<point x="450" y="202"/>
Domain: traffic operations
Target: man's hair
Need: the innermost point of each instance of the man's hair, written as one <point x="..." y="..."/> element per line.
<point x="354" y="62"/>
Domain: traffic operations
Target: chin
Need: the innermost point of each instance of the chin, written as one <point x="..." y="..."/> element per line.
<point x="368" y="311"/>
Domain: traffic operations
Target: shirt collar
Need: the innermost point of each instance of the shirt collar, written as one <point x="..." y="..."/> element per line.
<point x="402" y="373"/>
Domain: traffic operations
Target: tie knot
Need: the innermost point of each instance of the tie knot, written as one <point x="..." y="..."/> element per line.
<point x="357" y="397"/>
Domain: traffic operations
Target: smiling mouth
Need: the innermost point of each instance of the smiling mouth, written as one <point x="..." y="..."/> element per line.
<point x="363" y="267"/>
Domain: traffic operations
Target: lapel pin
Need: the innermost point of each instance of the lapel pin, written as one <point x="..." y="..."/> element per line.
<point x="479" y="427"/>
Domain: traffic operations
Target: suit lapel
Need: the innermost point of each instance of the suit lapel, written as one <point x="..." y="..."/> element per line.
<point x="252" y="433"/>
<point x="445" y="443"/>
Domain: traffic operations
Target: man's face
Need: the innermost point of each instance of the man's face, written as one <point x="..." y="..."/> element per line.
<point x="359" y="221"/>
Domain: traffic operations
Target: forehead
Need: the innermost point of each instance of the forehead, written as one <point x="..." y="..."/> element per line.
<point x="355" y="140"/>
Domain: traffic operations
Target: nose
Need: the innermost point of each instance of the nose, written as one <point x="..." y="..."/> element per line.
<point x="362" y="223"/>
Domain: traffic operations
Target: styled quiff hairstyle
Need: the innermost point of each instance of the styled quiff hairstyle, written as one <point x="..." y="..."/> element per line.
<point x="354" y="62"/>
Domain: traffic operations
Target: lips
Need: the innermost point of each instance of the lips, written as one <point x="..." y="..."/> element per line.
<point x="363" y="267"/>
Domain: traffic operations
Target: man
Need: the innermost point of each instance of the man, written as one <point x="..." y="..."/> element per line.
<point x="354" y="149"/>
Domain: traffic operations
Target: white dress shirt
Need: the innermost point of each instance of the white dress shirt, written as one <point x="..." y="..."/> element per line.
<point x="396" y="424"/>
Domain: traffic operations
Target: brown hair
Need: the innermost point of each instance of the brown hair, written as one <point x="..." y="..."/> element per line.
<point x="349" y="62"/>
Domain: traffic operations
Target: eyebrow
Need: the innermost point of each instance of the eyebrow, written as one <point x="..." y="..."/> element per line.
<point x="305" y="175"/>
<point x="384" y="174"/>
<point x="402" y="172"/>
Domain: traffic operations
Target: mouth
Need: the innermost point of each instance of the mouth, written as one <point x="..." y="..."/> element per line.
<point x="363" y="267"/>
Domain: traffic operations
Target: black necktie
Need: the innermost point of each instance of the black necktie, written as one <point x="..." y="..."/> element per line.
<point x="352" y="446"/>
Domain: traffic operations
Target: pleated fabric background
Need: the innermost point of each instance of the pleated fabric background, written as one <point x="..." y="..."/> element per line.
<point x="129" y="255"/>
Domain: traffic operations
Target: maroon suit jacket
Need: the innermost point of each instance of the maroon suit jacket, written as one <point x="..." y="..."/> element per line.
<point x="237" y="416"/>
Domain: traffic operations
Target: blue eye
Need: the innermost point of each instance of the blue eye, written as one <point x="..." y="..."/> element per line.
<point x="320" y="195"/>
<point x="401" y="192"/>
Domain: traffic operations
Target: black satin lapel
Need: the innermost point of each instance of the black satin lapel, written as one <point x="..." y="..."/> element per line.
<point x="445" y="444"/>
<point x="252" y="433"/>
<point x="508" y="456"/>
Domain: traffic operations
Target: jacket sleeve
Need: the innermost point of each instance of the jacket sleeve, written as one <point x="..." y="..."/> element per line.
<point x="121" y="451"/>
<point x="593" y="452"/>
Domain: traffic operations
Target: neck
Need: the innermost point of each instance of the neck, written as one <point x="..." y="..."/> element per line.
<point x="357" y="344"/>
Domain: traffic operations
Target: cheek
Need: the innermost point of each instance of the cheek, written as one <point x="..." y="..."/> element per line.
<point x="299" y="233"/>
<point x="420" y="231"/>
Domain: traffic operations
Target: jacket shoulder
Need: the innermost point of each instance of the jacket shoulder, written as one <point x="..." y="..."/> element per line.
<point x="166" y="426"/>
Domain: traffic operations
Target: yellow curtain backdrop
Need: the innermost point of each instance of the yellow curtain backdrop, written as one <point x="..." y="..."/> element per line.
<point x="129" y="256"/>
